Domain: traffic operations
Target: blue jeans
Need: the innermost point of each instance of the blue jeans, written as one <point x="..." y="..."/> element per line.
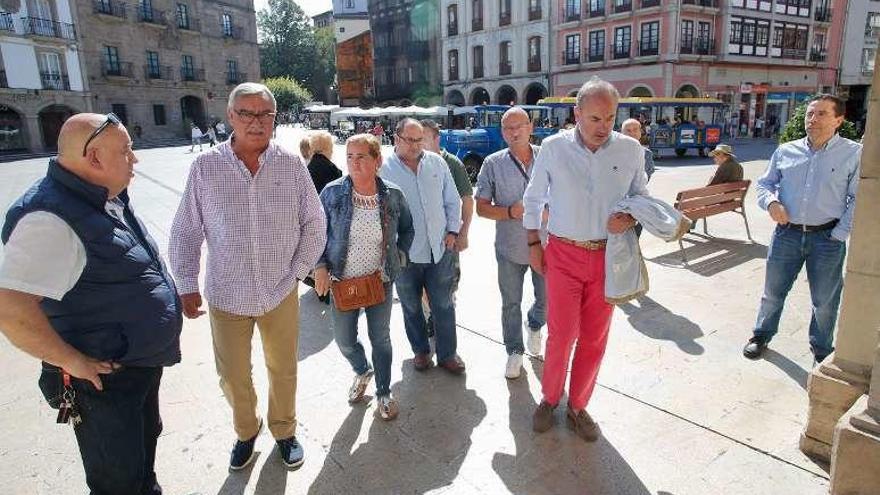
<point x="437" y="280"/>
<point x="510" y="282"/>
<point x="119" y="430"/>
<point x="378" y="328"/>
<point x="789" y="250"/>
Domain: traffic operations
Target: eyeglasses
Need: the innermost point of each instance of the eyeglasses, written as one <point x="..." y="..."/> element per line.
<point x="111" y="119"/>
<point x="249" y="117"/>
<point x="410" y="140"/>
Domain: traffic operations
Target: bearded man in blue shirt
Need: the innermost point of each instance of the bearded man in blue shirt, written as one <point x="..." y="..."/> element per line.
<point x="809" y="190"/>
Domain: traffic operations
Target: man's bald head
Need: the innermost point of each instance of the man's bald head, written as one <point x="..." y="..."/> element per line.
<point x="516" y="129"/>
<point x="516" y="113"/>
<point x="74" y="133"/>
<point x="632" y="128"/>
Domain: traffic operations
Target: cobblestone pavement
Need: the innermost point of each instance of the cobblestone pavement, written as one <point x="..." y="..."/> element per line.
<point x="681" y="411"/>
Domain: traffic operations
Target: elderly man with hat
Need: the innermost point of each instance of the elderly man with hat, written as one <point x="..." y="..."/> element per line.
<point x="729" y="170"/>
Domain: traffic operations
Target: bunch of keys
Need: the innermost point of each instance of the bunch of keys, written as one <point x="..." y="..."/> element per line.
<point x="68" y="411"/>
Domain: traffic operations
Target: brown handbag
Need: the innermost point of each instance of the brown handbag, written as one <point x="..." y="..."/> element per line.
<point x="366" y="290"/>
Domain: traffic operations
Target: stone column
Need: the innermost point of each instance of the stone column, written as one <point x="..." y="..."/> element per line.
<point x="837" y="383"/>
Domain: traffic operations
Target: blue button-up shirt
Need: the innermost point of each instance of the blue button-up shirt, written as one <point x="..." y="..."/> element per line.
<point x="814" y="186"/>
<point x="582" y="187"/>
<point x="433" y="202"/>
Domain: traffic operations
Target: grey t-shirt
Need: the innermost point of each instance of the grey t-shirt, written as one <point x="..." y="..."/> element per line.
<point x="501" y="182"/>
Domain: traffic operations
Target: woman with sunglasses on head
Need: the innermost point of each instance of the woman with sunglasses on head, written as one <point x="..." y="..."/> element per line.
<point x="369" y="230"/>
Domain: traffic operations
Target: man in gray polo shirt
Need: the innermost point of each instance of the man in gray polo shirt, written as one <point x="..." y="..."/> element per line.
<point x="500" y="186"/>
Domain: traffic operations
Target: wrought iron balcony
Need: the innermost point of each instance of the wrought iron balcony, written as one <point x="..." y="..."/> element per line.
<point x="534" y="64"/>
<point x="192" y="74"/>
<point x="453" y="74"/>
<point x="235" y="77"/>
<point x="478" y="72"/>
<point x="649" y="48"/>
<point x="622" y="6"/>
<point x="452" y="29"/>
<point x="701" y="3"/>
<point x="116" y="69"/>
<point x="6" y="23"/>
<point x="572" y="15"/>
<point x="599" y="11"/>
<point x="48" y="28"/>
<point x="150" y="15"/>
<point x="477" y="24"/>
<point x="162" y="72"/>
<point x="620" y="51"/>
<point x="505" y="68"/>
<point x="822" y="14"/>
<point x="231" y="31"/>
<point x="110" y="7"/>
<point x="504" y="19"/>
<point x="794" y="53"/>
<point x="818" y="55"/>
<point x="54" y="80"/>
<point x="595" y="56"/>
<point x="571" y="57"/>
<point x="650" y="3"/>
<point x="188" y="23"/>
<point x="535" y="13"/>
<point x="704" y="46"/>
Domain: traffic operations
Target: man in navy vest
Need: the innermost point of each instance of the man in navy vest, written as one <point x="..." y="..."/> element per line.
<point x="84" y="289"/>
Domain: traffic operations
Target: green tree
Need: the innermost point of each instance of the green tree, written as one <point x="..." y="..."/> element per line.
<point x="290" y="47"/>
<point x="289" y="94"/>
<point x="794" y="128"/>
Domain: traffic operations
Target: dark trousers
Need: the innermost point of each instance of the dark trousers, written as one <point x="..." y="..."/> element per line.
<point x="119" y="429"/>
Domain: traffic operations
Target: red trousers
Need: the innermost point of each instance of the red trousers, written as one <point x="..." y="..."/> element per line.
<point x="578" y="317"/>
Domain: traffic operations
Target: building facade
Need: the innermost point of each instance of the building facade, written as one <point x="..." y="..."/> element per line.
<point x="322" y="20"/>
<point x="163" y="64"/>
<point x="41" y="81"/>
<point x="354" y="52"/>
<point x="495" y="51"/>
<point x="857" y="59"/>
<point x="760" y="56"/>
<point x="406" y="48"/>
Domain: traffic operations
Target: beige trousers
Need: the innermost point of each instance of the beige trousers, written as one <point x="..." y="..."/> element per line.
<point x="279" y="331"/>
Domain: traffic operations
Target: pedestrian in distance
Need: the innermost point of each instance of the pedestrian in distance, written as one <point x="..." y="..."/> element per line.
<point x="500" y="187"/>
<point x="196" y="136"/>
<point x="633" y="129"/>
<point x="809" y="190"/>
<point x="253" y="202"/>
<point x="369" y="230"/>
<point x="212" y="136"/>
<point x="84" y="289"/>
<point x="581" y="174"/>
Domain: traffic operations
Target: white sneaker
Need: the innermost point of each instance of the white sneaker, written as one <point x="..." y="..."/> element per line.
<point x="533" y="343"/>
<point x="359" y="386"/>
<point x="514" y="366"/>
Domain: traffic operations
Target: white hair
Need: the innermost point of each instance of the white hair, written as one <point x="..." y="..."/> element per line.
<point x="249" y="89"/>
<point x="630" y="121"/>
<point x="596" y="87"/>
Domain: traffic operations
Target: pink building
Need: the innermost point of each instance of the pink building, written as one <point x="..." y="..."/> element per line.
<point x="760" y="56"/>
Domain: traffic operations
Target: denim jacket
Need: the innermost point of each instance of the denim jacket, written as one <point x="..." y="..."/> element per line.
<point x="337" y="202"/>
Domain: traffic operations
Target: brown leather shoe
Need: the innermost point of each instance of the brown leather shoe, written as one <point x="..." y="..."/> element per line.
<point x="543" y="418"/>
<point x="583" y="425"/>
<point x="421" y="362"/>
<point x="453" y="365"/>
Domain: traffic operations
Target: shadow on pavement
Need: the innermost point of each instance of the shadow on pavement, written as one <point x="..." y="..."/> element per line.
<point x="709" y="255"/>
<point x="236" y="481"/>
<point x="558" y="461"/>
<point x="315" y="332"/>
<point x="791" y="368"/>
<point x="422" y="450"/>
<point x="655" y="321"/>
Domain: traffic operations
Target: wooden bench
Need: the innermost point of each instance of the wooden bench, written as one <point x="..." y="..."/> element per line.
<point x="712" y="200"/>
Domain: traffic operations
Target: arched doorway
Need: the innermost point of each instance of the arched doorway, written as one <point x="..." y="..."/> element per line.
<point x="535" y="92"/>
<point x="640" y="92"/>
<point x="687" y="91"/>
<point x="51" y="119"/>
<point x="479" y="96"/>
<point x="192" y="109"/>
<point x="505" y="95"/>
<point x="455" y="97"/>
<point x="12" y="131"/>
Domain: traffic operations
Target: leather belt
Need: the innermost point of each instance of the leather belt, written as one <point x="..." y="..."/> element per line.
<point x="811" y="228"/>
<point x="595" y="245"/>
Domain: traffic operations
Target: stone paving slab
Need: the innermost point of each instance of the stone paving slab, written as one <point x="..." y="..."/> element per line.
<point x="681" y="411"/>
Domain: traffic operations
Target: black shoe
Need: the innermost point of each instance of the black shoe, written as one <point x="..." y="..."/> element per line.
<point x="243" y="452"/>
<point x="291" y="452"/>
<point x="755" y="348"/>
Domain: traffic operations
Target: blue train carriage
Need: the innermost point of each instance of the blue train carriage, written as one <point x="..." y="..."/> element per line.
<point x="482" y="134"/>
<point x="677" y="124"/>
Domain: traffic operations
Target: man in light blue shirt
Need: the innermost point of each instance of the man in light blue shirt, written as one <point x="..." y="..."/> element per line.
<point x="809" y="190"/>
<point x="435" y="206"/>
<point x="581" y="174"/>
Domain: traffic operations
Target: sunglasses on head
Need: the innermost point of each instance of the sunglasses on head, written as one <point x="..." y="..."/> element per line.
<point x="111" y="119"/>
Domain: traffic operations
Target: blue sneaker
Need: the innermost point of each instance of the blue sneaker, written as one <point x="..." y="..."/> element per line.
<point x="243" y="451"/>
<point x="291" y="452"/>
